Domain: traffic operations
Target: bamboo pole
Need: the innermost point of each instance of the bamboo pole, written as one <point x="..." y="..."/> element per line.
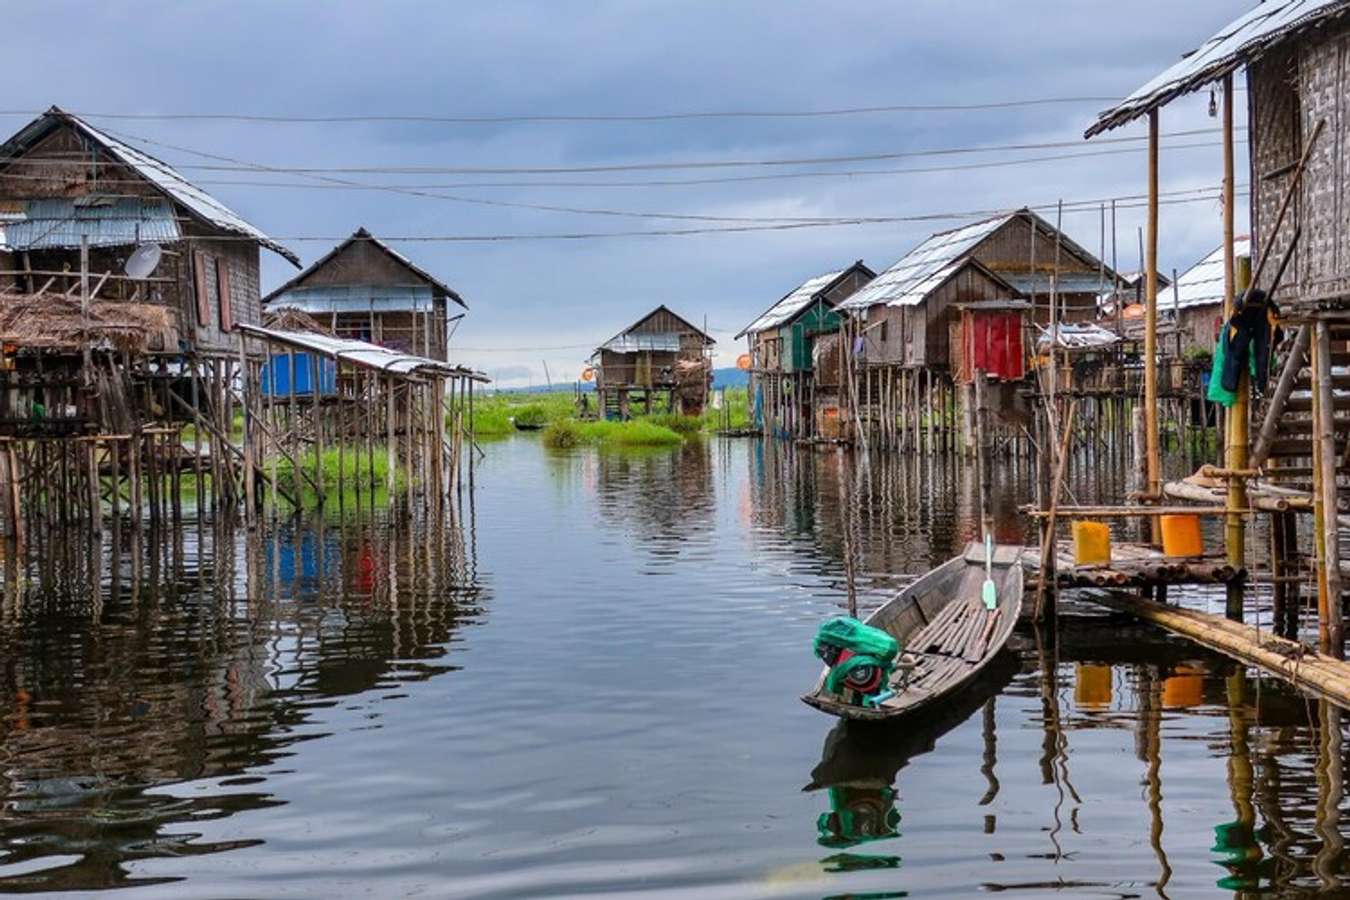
<point x="1153" y="465"/>
<point x="1318" y="673"/>
<point x="1048" y="531"/>
<point x="1239" y="422"/>
<point x="1330" y="632"/>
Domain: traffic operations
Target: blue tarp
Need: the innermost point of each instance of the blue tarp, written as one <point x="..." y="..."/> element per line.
<point x="278" y="370"/>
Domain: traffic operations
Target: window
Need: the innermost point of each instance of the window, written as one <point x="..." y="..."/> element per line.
<point x="882" y="336"/>
<point x="199" y="262"/>
<point x="223" y="295"/>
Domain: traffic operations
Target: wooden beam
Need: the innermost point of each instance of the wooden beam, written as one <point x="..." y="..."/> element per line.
<point x="1289" y="660"/>
<point x="1330" y="630"/>
<point x="1152" y="451"/>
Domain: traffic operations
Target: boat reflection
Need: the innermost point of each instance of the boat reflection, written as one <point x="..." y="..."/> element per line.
<point x="861" y="761"/>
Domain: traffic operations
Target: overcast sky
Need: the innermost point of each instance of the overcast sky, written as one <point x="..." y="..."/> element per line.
<point x="537" y="301"/>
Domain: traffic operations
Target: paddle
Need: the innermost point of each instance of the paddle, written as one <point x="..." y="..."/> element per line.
<point x="988" y="591"/>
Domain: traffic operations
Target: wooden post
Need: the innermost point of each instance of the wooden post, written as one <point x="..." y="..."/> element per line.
<point x="389" y="421"/>
<point x="1236" y="446"/>
<point x="982" y="453"/>
<point x="316" y="370"/>
<point x="1153" y="464"/>
<point x="1330" y="632"/>
<point x="245" y="389"/>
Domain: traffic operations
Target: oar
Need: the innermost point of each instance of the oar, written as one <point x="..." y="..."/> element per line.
<point x="988" y="591"/>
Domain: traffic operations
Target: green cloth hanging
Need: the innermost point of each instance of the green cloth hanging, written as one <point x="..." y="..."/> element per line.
<point x="1216" y="392"/>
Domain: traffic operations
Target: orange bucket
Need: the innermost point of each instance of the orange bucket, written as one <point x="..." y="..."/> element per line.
<point x="1181" y="535"/>
<point x="1091" y="543"/>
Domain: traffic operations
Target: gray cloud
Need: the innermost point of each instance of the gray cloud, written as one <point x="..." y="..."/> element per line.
<point x="628" y="57"/>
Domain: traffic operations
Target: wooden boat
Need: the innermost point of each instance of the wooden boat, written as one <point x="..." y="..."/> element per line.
<point x="946" y="634"/>
<point x="528" y="426"/>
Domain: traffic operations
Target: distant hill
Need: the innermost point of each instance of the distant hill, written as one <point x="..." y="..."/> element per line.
<point x="730" y="377"/>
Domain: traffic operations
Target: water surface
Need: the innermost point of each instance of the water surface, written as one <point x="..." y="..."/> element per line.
<point x="586" y="684"/>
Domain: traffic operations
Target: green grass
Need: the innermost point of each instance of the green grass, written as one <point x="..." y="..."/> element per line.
<point x="735" y="415"/>
<point x="534" y="414"/>
<point x="355" y="469"/>
<point x="493" y="413"/>
<point x="565" y="433"/>
<point x="685" y="426"/>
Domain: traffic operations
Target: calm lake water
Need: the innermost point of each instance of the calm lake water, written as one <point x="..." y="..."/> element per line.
<point x="588" y="686"/>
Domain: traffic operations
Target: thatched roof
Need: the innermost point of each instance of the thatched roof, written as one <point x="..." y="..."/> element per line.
<point x="294" y="320"/>
<point x="55" y="322"/>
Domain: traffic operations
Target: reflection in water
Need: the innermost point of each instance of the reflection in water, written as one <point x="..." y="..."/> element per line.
<point x="330" y="702"/>
<point x="201" y="659"/>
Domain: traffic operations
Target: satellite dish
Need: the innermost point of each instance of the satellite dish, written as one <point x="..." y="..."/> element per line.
<point x="143" y="261"/>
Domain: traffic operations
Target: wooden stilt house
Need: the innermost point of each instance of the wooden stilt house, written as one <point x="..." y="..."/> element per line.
<point x="365" y="290"/>
<point x="782" y="344"/>
<point x="1298" y="119"/>
<point x="902" y="326"/>
<point x="661" y="356"/>
<point x="121" y="288"/>
<point x="1198" y="299"/>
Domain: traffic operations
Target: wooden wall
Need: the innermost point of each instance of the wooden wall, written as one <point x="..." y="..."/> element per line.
<point x="47" y="170"/>
<point x="241" y="259"/>
<point x="361" y="262"/>
<point x="1009" y="250"/>
<point x="395" y="330"/>
<point x="919" y="335"/>
<point x="1291" y="89"/>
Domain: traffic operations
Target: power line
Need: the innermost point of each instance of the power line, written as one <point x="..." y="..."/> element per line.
<point x="636" y="167"/>
<point x="1123" y="201"/>
<point x="421" y="118"/>
<point x="1212" y="194"/>
<point x="684" y="182"/>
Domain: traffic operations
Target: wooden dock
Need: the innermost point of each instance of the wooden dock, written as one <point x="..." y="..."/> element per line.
<point x="1115" y="587"/>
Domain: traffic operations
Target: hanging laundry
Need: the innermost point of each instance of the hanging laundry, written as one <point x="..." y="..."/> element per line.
<point x="1244" y="341"/>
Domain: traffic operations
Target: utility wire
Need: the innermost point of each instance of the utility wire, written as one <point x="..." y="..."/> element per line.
<point x="635" y="167"/>
<point x="580" y="117"/>
<point x="1207" y="194"/>
<point x="683" y="182"/>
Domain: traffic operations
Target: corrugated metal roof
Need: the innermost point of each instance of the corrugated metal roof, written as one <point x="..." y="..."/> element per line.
<point x="361" y="353"/>
<point x="57" y="223"/>
<point x="1202" y="283"/>
<point x="1235" y="45"/>
<point x="344" y="298"/>
<point x="1069" y="282"/>
<point x="797" y="300"/>
<point x="925" y="268"/>
<point x="1078" y="336"/>
<point x="636" y="343"/>
<point x="162" y="175"/>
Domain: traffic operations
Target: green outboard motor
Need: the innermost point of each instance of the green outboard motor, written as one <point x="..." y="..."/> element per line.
<point x="860" y="658"/>
<point x="858" y="815"/>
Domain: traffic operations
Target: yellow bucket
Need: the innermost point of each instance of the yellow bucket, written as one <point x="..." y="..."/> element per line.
<point x="1181" y="535"/>
<point x="1091" y="543"/>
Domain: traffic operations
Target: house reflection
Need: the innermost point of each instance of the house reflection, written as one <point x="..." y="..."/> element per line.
<point x="198" y="659"/>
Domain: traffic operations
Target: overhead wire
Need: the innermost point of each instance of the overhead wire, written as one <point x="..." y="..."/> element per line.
<point x="639" y="167"/>
<point x="684" y="182"/>
<point x="426" y="118"/>
<point x="1208" y="194"/>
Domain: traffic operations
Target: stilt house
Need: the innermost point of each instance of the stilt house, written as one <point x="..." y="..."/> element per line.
<point x="121" y="288"/>
<point x="365" y="290"/>
<point x="782" y="343"/>
<point x="660" y="356"/>
<point x="1298" y="132"/>
<point x="1198" y="301"/>
<point x="907" y="312"/>
<point x="63" y="185"/>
